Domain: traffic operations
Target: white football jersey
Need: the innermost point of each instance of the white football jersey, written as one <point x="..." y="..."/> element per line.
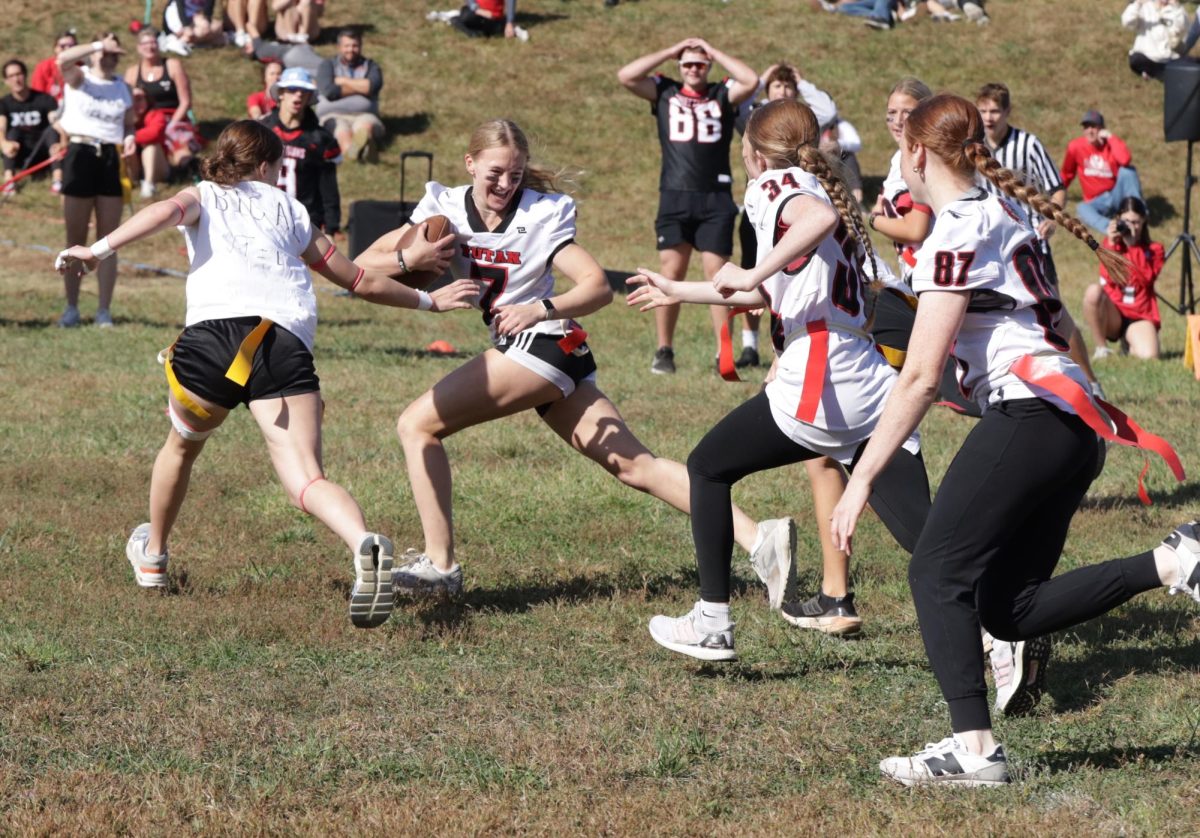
<point x="897" y="203"/>
<point x="515" y="258"/>
<point x="825" y="284"/>
<point x="980" y="244"/>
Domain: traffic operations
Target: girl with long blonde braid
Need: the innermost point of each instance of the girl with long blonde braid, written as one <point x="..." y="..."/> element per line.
<point x="830" y="382"/>
<point x="1001" y="515"/>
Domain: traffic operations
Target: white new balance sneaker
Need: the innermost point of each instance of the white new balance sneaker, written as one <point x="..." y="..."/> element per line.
<point x="371" y="598"/>
<point x="1184" y="541"/>
<point x="1019" y="670"/>
<point x="417" y="576"/>
<point x="948" y="763"/>
<point x="773" y="559"/>
<point x="149" y="571"/>
<point x="689" y="635"/>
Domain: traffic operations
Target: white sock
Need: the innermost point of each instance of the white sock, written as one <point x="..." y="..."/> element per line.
<point x="749" y="339"/>
<point x="714" y="615"/>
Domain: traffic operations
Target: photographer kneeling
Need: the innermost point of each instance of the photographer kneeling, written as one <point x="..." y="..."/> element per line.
<point x="1128" y="313"/>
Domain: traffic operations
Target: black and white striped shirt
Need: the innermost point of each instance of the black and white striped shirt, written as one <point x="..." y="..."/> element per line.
<point x="1024" y="154"/>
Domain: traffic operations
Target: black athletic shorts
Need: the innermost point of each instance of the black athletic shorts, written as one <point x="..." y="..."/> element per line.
<point x="544" y="355"/>
<point x="748" y="241"/>
<point x="90" y="170"/>
<point x="283" y="366"/>
<point x="702" y="219"/>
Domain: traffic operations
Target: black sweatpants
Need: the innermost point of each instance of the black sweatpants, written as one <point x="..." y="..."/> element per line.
<point x="748" y="441"/>
<point x="993" y="538"/>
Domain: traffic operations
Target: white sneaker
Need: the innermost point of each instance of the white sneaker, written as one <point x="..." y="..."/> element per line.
<point x="418" y="577"/>
<point x="1019" y="670"/>
<point x="240" y="39"/>
<point x="688" y="636"/>
<point x="948" y="762"/>
<point x="908" y="13"/>
<point x="70" y="318"/>
<point x="148" y="189"/>
<point x="1102" y="352"/>
<point x="973" y="11"/>
<point x="173" y="43"/>
<point x="149" y="571"/>
<point x="371" y="598"/>
<point x="521" y="33"/>
<point x="1185" y="543"/>
<point x="774" y="558"/>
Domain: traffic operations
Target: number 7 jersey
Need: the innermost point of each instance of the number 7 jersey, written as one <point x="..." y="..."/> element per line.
<point x="515" y="258"/>
<point x="980" y="245"/>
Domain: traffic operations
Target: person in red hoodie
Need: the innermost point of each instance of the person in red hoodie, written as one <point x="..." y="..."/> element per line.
<point x="1106" y="176"/>
<point x="1127" y="312"/>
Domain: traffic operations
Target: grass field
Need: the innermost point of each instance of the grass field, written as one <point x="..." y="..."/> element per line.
<point x="242" y="701"/>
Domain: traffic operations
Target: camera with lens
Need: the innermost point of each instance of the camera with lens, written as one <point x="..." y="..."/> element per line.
<point x="1123" y="229"/>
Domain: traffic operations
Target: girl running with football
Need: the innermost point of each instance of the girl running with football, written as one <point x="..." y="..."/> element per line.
<point x="514" y="230"/>
<point x="830" y="383"/>
<point x="1000" y="519"/>
<point x="251" y="322"/>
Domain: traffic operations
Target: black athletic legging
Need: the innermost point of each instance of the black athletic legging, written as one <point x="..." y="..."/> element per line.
<point x="748" y="441"/>
<point x="993" y="538"/>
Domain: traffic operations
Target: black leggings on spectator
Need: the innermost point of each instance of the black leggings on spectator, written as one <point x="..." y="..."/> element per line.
<point x="992" y="540"/>
<point x="748" y="441"/>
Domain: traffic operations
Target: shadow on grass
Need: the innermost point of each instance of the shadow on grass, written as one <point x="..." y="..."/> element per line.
<point x="1114" y="758"/>
<point x="1161" y="209"/>
<point x="330" y="352"/>
<point x="1181" y="494"/>
<point x="523" y="596"/>
<point x="1077" y="685"/>
<point x="405" y="125"/>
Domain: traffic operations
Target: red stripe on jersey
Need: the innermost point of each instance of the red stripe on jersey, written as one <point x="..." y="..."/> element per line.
<point x="814" y="371"/>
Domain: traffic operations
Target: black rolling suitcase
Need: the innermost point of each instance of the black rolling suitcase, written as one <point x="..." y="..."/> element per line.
<point x="371" y="219"/>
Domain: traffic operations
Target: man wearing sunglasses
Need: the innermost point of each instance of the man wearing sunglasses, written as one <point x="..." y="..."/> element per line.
<point x="695" y="126"/>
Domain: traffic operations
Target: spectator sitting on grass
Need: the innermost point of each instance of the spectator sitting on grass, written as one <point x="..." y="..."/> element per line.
<point x="162" y="85"/>
<point x="349" y="84"/>
<point x="1160" y="26"/>
<point x="189" y="23"/>
<point x="261" y="102"/>
<point x="1106" y="176"/>
<point x="46" y="77"/>
<point x="289" y="55"/>
<point x="27" y="134"/>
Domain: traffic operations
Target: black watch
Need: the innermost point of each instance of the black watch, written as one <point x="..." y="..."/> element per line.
<point x="551" y="312"/>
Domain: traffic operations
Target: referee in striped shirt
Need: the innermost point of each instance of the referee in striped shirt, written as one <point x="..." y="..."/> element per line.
<point x="1024" y="154"/>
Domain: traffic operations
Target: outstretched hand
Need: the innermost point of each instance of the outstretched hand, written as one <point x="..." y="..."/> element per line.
<point x="75" y="261"/>
<point x="460" y="294"/>
<point x="846" y="513"/>
<point x="650" y="290"/>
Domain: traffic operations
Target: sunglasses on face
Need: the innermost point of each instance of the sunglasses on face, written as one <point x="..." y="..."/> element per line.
<point x="694" y="65"/>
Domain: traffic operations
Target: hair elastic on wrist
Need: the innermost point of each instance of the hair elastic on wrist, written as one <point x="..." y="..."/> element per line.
<point x="424" y="301"/>
<point x="357" y="279"/>
<point x="320" y="263"/>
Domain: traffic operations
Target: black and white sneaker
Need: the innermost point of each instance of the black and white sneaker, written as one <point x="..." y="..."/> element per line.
<point x="832" y="615"/>
<point x="664" y="361"/>
<point x="948" y="763"/>
<point x="1184" y="542"/>
<point x="688" y="635"/>
<point x="878" y="22"/>
<point x="1019" y="670"/>
<point x="417" y="576"/>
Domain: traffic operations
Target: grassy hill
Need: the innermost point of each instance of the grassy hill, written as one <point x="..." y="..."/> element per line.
<point x="244" y="702"/>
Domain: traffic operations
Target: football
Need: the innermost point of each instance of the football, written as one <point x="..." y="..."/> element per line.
<point x="438" y="226"/>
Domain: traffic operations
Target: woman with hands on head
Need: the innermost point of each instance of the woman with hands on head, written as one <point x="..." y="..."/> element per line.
<point x="251" y="322"/>
<point x="998" y="524"/>
<point x="514" y="230"/>
<point x="98" y="119"/>
<point x="830" y="382"/>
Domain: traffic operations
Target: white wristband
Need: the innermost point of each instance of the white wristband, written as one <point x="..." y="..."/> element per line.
<point x="102" y="250"/>
<point x="97" y="46"/>
<point x="424" y="301"/>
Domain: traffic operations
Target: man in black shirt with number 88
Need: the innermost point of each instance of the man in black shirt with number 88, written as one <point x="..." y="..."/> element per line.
<point x="695" y="125"/>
